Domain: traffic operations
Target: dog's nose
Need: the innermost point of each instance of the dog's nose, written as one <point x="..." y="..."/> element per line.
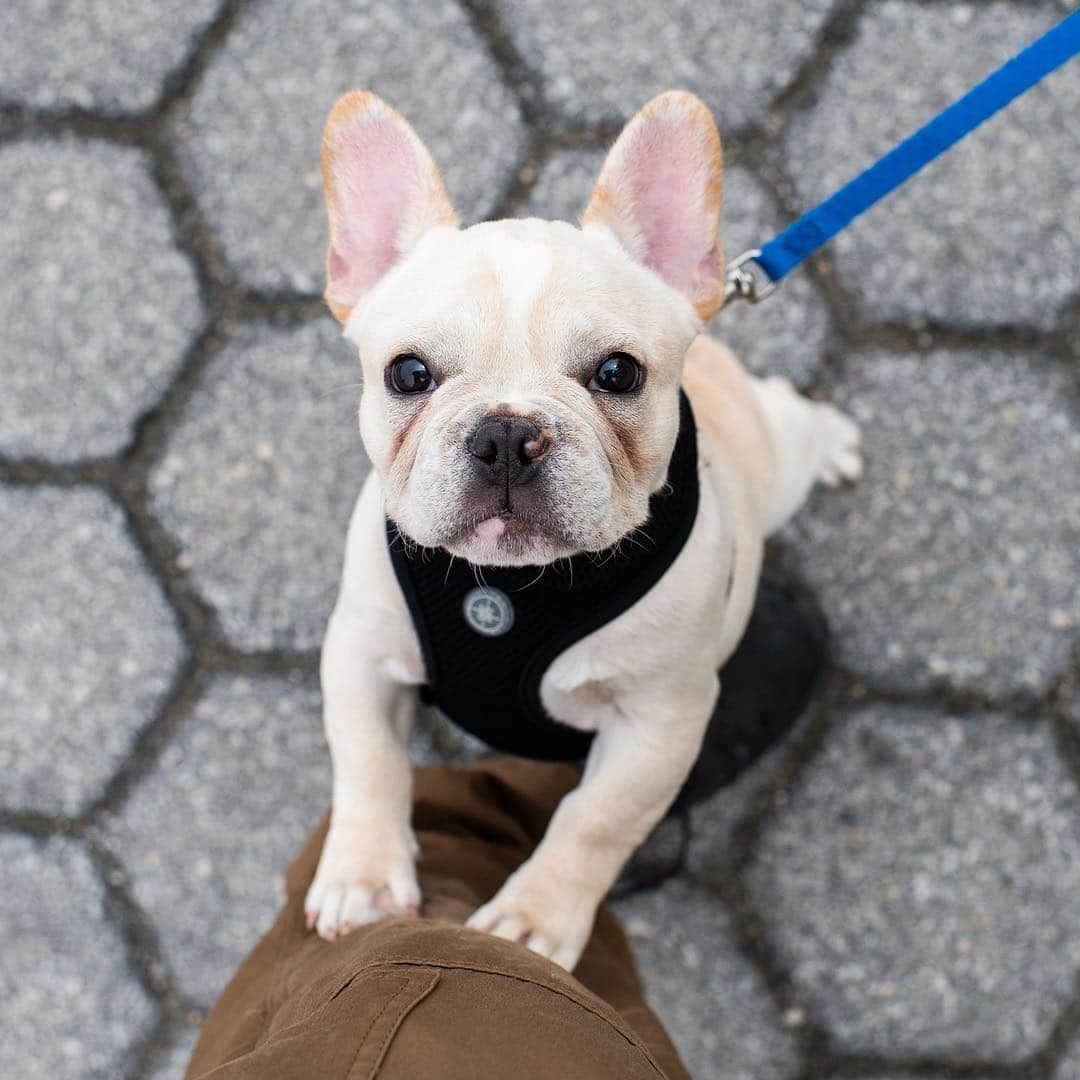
<point x="507" y="450"/>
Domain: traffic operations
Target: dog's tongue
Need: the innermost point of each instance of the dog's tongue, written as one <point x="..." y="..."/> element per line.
<point x="491" y="529"/>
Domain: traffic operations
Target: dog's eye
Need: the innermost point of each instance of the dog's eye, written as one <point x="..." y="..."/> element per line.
<point x="409" y="375"/>
<point x="618" y="373"/>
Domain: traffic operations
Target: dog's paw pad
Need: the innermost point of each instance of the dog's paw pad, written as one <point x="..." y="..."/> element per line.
<point x="560" y="940"/>
<point x="343" y="898"/>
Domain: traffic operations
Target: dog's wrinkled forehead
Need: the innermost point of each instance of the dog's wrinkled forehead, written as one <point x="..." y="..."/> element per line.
<point x="506" y="292"/>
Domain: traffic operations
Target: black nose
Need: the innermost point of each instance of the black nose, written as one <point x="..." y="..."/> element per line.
<point x="507" y="450"/>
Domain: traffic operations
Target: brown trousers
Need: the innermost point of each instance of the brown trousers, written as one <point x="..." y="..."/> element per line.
<point x="426" y="998"/>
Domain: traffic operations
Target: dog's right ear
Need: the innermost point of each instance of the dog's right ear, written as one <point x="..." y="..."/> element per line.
<point x="383" y="193"/>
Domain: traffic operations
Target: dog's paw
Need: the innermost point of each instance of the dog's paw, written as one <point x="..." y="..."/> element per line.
<point x="360" y="880"/>
<point x="552" y="924"/>
<point x="842" y="457"/>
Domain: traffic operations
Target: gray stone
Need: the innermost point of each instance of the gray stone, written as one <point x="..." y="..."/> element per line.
<point x="71" y="1006"/>
<point x="955" y="562"/>
<point x="988" y="235"/>
<point x="90" y="647"/>
<point x="208" y="834"/>
<point x="97" y="307"/>
<point x="921" y="884"/>
<point x="564" y="184"/>
<point x="110" y="55"/>
<point x="1069" y="1066"/>
<point x="784" y="337"/>
<point x="717" y="819"/>
<point x="259" y="480"/>
<point x="600" y="62"/>
<point x="917" y="878"/>
<point x="171" y="1064"/>
<point x="711" y="1000"/>
<point x="250" y="137"/>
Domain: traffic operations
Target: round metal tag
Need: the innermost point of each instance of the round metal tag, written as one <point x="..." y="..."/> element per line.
<point x="488" y="611"/>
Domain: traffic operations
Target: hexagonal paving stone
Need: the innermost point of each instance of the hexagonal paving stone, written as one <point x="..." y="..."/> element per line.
<point x="785" y="337"/>
<point x="955" y="561"/>
<point x="98" y="306"/>
<point x="260" y="478"/>
<point x="207" y="836"/>
<point x="711" y="1000"/>
<point x="250" y="137"/>
<point x="991" y="233"/>
<point x="921" y="884"/>
<point x="111" y="55"/>
<point x="71" y="1005"/>
<point x="90" y="647"/>
<point x="602" y="61"/>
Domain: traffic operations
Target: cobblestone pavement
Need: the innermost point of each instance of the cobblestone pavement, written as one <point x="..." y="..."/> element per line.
<point x="896" y="891"/>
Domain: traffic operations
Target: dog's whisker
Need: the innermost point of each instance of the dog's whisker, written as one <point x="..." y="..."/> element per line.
<point x="401" y="542"/>
<point x="338" y="390"/>
<point x="634" y="538"/>
<point x="534" y="580"/>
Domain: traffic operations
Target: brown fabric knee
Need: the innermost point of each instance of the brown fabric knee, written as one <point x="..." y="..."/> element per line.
<point x="426" y="997"/>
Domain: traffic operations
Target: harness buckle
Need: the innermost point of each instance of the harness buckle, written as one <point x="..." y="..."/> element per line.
<point x="741" y="282"/>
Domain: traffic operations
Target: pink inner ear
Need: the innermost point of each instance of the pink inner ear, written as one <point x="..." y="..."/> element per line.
<point x="669" y="174"/>
<point x="376" y="174"/>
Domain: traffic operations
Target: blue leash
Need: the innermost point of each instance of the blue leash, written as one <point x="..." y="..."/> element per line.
<point x="803" y="237"/>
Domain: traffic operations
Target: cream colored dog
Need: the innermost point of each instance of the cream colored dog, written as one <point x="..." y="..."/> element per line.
<point x="587" y="332"/>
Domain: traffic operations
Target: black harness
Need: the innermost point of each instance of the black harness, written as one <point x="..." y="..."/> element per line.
<point x="489" y="634"/>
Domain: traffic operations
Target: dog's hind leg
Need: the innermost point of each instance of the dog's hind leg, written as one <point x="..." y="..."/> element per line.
<point x="812" y="441"/>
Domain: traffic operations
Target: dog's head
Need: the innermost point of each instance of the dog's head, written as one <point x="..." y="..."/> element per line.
<point x="521" y="378"/>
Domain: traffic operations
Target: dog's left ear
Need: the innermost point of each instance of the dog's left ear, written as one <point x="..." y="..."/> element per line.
<point x="383" y="192"/>
<point x="659" y="192"/>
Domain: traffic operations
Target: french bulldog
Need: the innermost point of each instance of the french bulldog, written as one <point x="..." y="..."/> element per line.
<point x="576" y="340"/>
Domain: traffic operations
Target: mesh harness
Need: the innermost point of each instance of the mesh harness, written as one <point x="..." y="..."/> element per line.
<point x="488" y="636"/>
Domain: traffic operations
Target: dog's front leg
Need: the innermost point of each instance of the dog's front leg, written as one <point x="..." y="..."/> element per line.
<point x="639" y="759"/>
<point x="367" y="868"/>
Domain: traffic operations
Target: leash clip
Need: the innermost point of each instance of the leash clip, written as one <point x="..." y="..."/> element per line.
<point x="743" y="283"/>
